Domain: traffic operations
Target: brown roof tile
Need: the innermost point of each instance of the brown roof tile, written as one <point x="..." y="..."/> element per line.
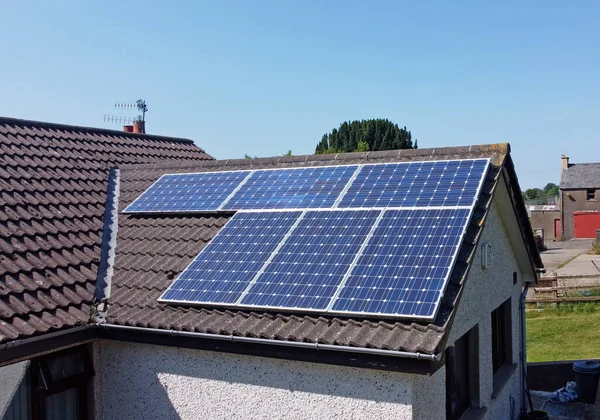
<point x="152" y="250"/>
<point x="53" y="184"/>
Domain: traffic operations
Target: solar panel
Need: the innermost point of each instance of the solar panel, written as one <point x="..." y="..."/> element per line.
<point x="404" y="268"/>
<point x="416" y="184"/>
<point x="296" y="188"/>
<point x="188" y="192"/>
<point x="308" y="268"/>
<point x="227" y="265"/>
<point x="353" y="260"/>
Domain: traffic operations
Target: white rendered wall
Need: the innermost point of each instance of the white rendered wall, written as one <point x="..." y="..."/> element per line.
<point x="485" y="290"/>
<point x="139" y="381"/>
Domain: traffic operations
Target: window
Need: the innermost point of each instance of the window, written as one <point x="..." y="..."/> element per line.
<point x="501" y="336"/>
<point x="462" y="375"/>
<point x="55" y="386"/>
<point x="590" y="195"/>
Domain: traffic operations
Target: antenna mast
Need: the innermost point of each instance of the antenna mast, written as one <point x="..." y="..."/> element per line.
<point x="139" y="122"/>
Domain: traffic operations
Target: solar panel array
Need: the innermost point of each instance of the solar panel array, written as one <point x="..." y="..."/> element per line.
<point x="384" y="245"/>
<point x="390" y="185"/>
<point x="372" y="262"/>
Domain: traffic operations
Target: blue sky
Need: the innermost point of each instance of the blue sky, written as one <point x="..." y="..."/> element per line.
<point x="264" y="77"/>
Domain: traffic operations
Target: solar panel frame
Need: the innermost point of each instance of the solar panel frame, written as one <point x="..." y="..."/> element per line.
<point x="449" y="269"/>
<point x="253" y="199"/>
<point x="341" y="200"/>
<point x="149" y="190"/>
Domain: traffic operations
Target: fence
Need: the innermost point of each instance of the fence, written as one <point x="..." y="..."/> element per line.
<point x="548" y="290"/>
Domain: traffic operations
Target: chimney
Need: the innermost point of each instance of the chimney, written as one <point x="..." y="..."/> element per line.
<point x="128" y="128"/>
<point x="565" y="162"/>
<point x="139" y="127"/>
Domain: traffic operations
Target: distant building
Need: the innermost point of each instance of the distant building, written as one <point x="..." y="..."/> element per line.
<point x="545" y="220"/>
<point x="577" y="214"/>
<point x="579" y="197"/>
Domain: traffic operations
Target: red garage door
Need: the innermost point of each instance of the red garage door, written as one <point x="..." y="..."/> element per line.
<point x="586" y="223"/>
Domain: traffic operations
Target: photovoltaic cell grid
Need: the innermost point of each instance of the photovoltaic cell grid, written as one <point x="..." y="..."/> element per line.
<point x="416" y="184"/>
<point x="397" y="262"/>
<point x="308" y="269"/>
<point x="405" y="266"/>
<point x="297" y="188"/>
<point x="188" y="192"/>
<point x="370" y="262"/>
<point x="226" y="266"/>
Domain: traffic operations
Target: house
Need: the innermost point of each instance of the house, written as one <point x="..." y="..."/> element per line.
<point x="579" y="198"/>
<point x="142" y="356"/>
<point x="545" y="220"/>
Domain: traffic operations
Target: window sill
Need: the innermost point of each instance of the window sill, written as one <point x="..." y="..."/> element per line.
<point x="501" y="378"/>
<point x="473" y="413"/>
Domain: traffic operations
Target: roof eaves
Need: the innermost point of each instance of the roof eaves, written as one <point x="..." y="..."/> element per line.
<point x="516" y="196"/>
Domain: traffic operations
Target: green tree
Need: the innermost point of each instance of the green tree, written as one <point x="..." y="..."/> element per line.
<point x="362" y="146"/>
<point x="375" y="134"/>
<point x="533" y="193"/>
<point x="550" y="190"/>
<point x="288" y="153"/>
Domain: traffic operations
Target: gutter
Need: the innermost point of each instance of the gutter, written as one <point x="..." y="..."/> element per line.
<point x="27" y="348"/>
<point x="43" y="337"/>
<point x="314" y="346"/>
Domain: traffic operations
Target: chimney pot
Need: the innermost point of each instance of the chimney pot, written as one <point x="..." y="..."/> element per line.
<point x="565" y="162"/>
<point x="128" y="128"/>
<point x="139" y="127"/>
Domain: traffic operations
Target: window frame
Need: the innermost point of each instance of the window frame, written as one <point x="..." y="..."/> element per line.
<point x="468" y="351"/>
<point x="590" y="194"/>
<point x="501" y="327"/>
<point x="44" y="386"/>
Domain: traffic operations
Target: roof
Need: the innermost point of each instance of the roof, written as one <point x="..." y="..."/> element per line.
<point x="580" y="175"/>
<point x="152" y="250"/>
<point x="53" y="188"/>
<point x="544" y="207"/>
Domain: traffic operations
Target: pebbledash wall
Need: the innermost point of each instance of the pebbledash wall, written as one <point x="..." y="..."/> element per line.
<point x="154" y="382"/>
<point x="139" y="381"/>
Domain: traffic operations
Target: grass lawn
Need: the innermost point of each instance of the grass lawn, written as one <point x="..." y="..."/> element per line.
<point x="564" y="333"/>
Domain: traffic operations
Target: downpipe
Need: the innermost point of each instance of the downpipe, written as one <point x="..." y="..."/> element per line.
<point x="525" y="395"/>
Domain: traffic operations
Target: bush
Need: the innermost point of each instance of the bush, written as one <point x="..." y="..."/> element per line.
<point x="595" y="248"/>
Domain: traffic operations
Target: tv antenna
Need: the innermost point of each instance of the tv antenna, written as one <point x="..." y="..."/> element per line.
<point x="140" y="105"/>
<point x="131" y="124"/>
<point x="117" y="119"/>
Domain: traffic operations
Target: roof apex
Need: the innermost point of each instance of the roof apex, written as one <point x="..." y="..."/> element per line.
<point x="58" y="126"/>
<point x="440" y="153"/>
